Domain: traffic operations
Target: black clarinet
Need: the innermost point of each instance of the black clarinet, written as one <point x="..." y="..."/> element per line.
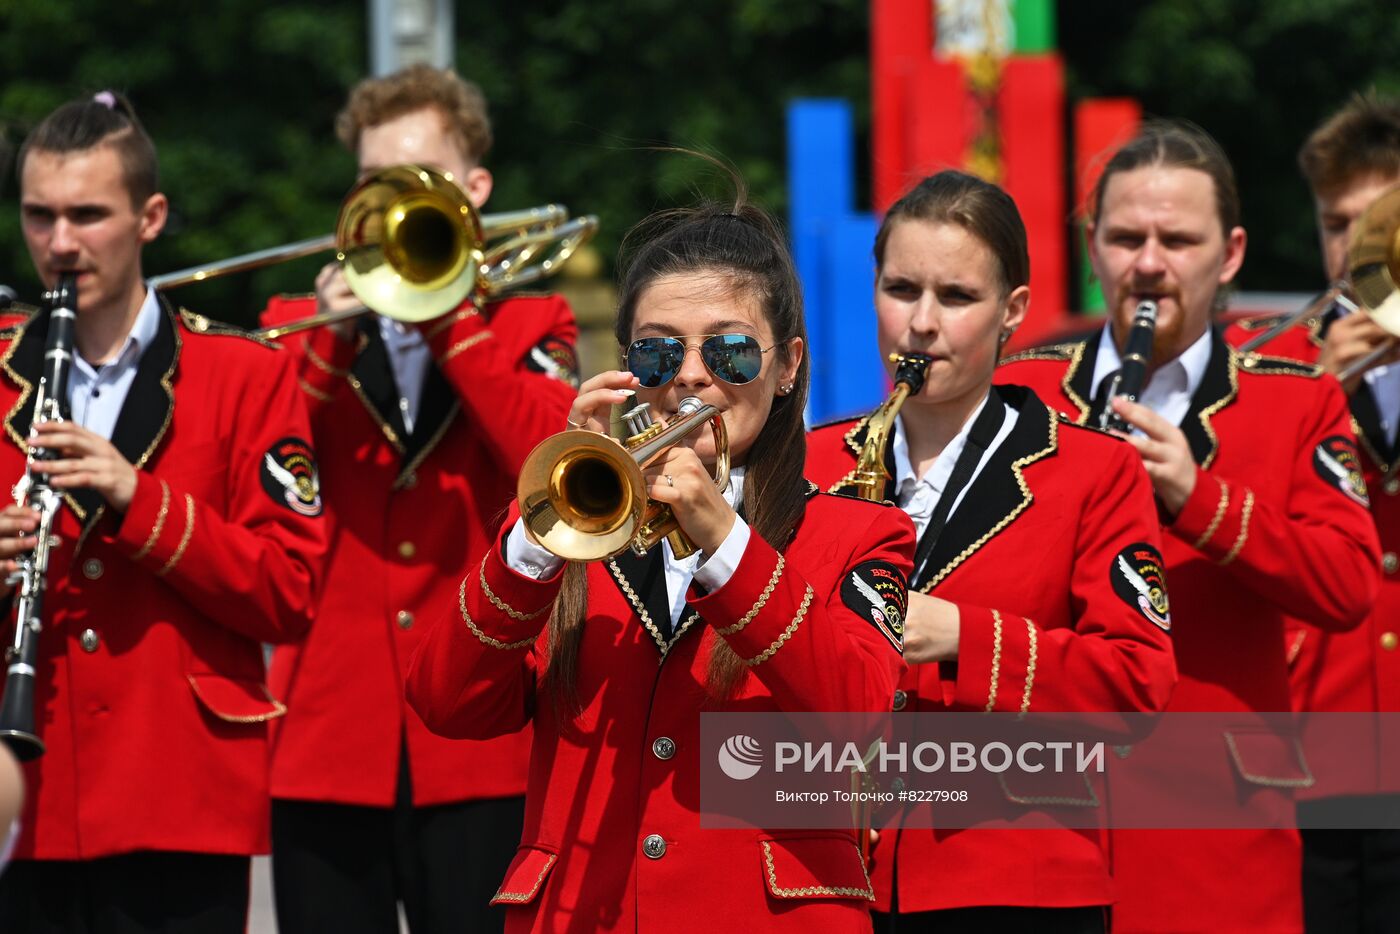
<point x="31" y="577"/>
<point x="1131" y="377"/>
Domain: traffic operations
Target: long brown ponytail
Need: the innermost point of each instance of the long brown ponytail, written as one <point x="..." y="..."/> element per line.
<point x="744" y="245"/>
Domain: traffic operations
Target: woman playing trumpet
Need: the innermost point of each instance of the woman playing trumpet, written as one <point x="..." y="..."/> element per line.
<point x="1036" y="539"/>
<point x="613" y="662"/>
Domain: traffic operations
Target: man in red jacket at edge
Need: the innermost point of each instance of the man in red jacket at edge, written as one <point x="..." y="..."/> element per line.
<point x="1351" y="878"/>
<point x="423" y="432"/>
<point x="1255" y="525"/>
<point x="191" y="531"/>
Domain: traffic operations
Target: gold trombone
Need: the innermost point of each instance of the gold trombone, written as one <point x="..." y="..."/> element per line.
<point x="1373" y="277"/>
<point x="414" y="248"/>
<point x="582" y="494"/>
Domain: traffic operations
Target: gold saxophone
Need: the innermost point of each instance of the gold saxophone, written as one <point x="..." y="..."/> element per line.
<point x="871" y="478"/>
<point x="871" y="475"/>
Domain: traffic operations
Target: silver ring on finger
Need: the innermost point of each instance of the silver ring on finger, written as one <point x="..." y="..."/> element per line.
<point x="574" y="424"/>
<point x="669" y="481"/>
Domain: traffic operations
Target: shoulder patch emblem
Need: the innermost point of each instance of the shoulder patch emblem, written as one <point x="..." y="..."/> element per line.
<point x="1139" y="578"/>
<point x="1338" y="464"/>
<point x="289" y="476"/>
<point x="556" y="358"/>
<point x="876" y="592"/>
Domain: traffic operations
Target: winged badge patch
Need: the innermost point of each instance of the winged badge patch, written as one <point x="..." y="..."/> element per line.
<point x="556" y="358"/>
<point x="289" y="476"/>
<point x="1140" y="579"/>
<point x="1336" y="461"/>
<point x="878" y="593"/>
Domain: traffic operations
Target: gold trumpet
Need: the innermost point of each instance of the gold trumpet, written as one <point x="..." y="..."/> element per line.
<point x="582" y="494"/>
<point x="1373" y="274"/>
<point x="414" y="248"/>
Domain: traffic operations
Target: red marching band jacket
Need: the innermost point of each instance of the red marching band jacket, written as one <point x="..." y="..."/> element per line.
<point x="410" y="511"/>
<point x="1045" y="557"/>
<point x="1269" y="530"/>
<point x="1359" y="670"/>
<point x="613" y="839"/>
<point x="150" y="694"/>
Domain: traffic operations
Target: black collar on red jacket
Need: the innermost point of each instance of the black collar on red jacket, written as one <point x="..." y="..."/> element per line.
<point x="1366" y="416"/>
<point x="372" y="377"/>
<point x="1219" y="387"/>
<point x="999" y="494"/>
<point x="1364" y="412"/>
<point x="642" y="581"/>
<point x="145" y="415"/>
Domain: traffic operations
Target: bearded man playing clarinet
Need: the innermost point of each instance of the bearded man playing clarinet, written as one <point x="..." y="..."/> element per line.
<point x="1256" y="524"/>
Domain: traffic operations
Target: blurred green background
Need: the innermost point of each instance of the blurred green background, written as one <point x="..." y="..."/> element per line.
<point x="240" y="96"/>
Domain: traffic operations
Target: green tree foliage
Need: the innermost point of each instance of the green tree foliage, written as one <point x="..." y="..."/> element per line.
<point x="240" y="96"/>
<point x="1258" y="75"/>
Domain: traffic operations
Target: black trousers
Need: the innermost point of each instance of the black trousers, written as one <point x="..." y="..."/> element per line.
<point x="137" y="893"/>
<point x="342" y="868"/>
<point x="1351" y="878"/>
<point x="993" y="919"/>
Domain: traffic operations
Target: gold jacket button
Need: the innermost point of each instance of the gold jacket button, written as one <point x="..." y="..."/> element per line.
<point x="654" y="846"/>
<point x="1392" y="486"/>
<point x="900" y="700"/>
<point x="404" y="619"/>
<point x="90" y="640"/>
<point x="92" y="569"/>
<point x="1389" y="562"/>
<point x="1389" y="641"/>
<point x="407" y="549"/>
<point x="663" y="747"/>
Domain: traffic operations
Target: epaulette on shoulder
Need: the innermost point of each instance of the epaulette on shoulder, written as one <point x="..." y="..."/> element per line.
<point x="519" y="293"/>
<point x="1277" y="366"/>
<point x="14" y="317"/>
<point x="199" y="324"/>
<point x="1259" y="322"/>
<point x="851" y="496"/>
<point x="1057" y="352"/>
<point x="1068" y="422"/>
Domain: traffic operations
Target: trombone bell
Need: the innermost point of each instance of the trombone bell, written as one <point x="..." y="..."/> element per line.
<point x="1373" y="259"/>
<point x="410" y="242"/>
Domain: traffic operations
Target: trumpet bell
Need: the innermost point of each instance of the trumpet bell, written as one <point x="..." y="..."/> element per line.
<point x="411" y="243"/>
<point x="581" y="495"/>
<point x="1373" y="259"/>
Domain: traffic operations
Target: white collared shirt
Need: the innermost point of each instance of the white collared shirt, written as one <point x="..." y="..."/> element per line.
<point x="1385" y="387"/>
<point x="408" y="358"/>
<point x="710" y="571"/>
<point x="1170" y="387"/>
<point x="96" y="394"/>
<point x="919" y="496"/>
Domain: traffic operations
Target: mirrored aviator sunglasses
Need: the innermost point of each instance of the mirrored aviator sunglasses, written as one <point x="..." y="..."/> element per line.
<point x="734" y="358"/>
